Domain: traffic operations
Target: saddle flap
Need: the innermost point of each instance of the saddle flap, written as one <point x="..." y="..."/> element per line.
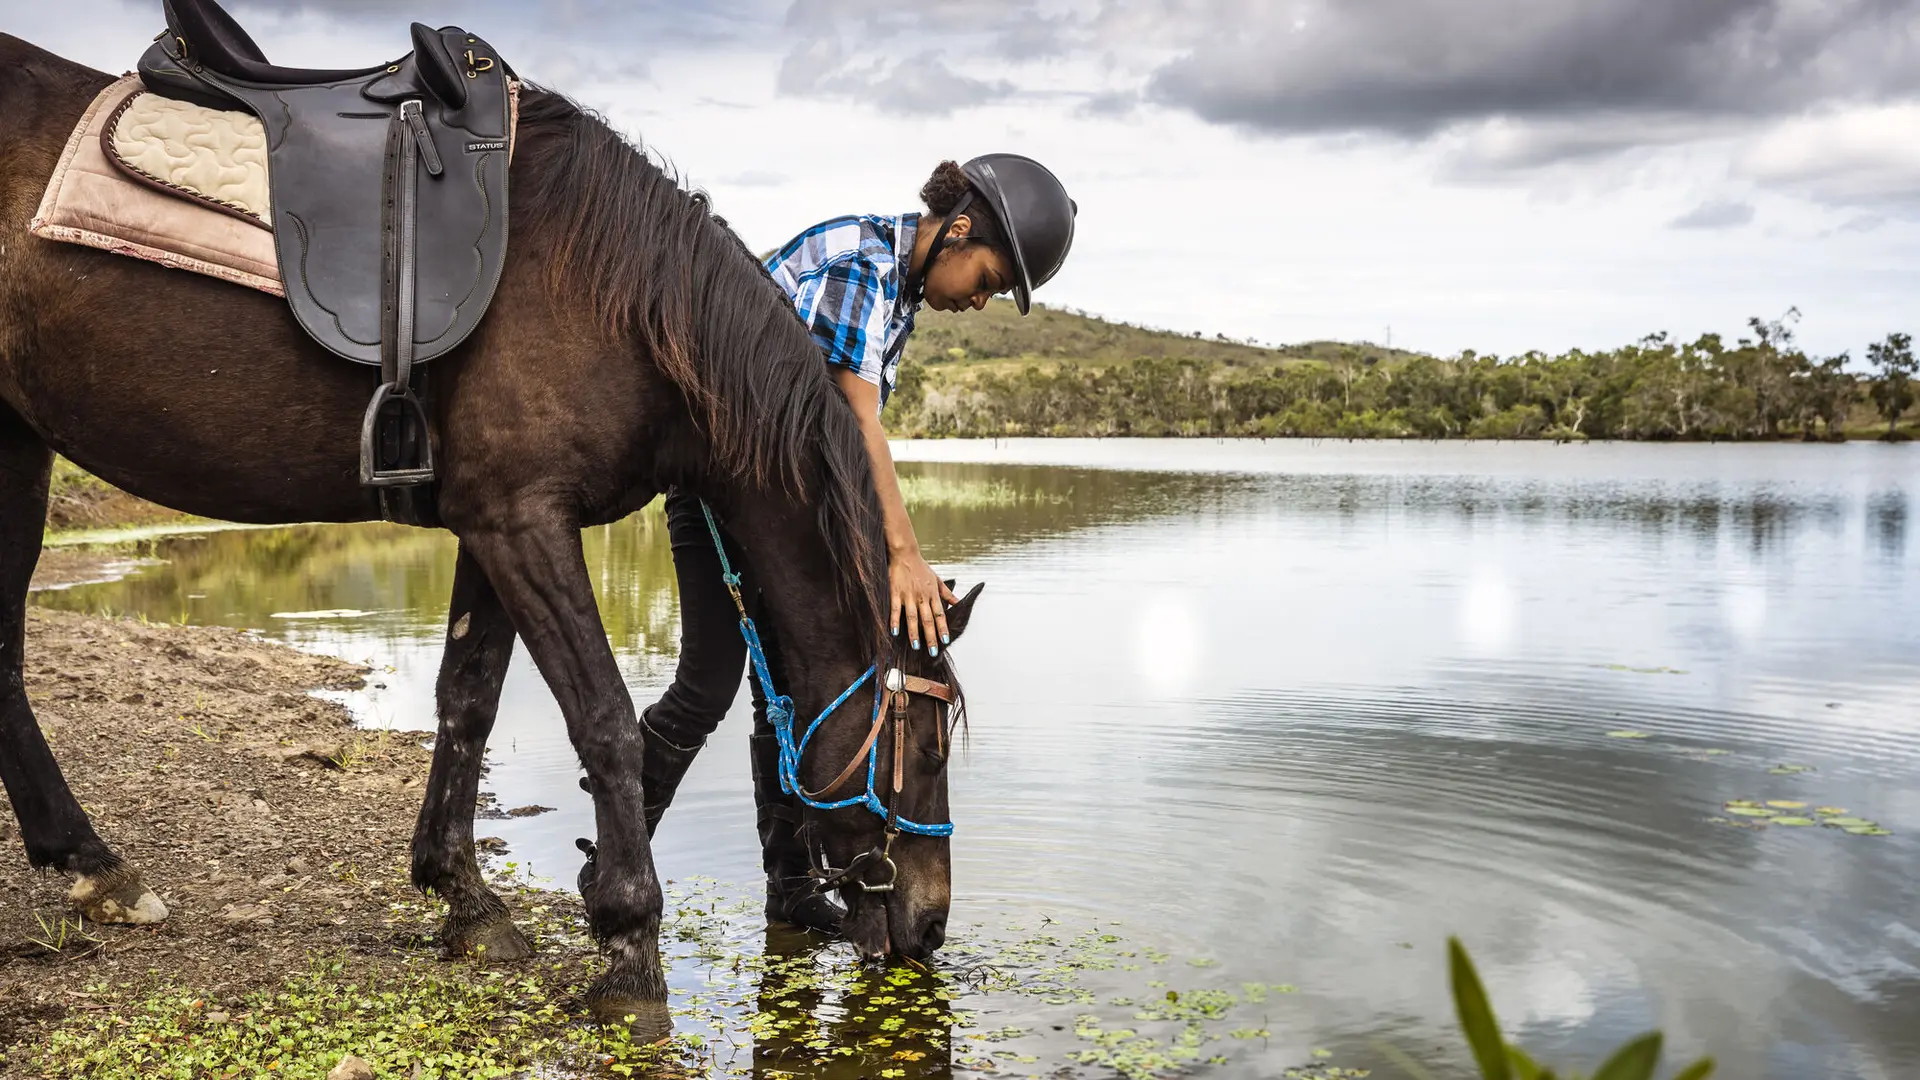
<point x="438" y="66"/>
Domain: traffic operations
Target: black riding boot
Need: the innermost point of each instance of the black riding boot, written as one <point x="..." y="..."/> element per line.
<point x="663" y="764"/>
<point x="791" y="897"/>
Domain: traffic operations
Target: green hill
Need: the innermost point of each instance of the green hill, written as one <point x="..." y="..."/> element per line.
<point x="998" y="337"/>
<point x="1063" y="373"/>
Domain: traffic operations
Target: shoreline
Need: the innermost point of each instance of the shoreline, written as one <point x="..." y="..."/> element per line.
<point x="277" y="833"/>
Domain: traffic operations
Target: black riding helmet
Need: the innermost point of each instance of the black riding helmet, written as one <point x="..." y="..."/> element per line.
<point x="1034" y="210"/>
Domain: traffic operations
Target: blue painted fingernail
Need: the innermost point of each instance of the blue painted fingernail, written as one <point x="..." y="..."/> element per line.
<point x="944" y="641"/>
<point x="933" y="650"/>
<point x="916" y="643"/>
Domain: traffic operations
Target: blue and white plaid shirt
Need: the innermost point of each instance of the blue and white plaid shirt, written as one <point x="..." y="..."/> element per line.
<point x="846" y="277"/>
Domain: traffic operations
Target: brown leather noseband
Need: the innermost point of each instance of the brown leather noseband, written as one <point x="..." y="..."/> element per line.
<point x="898" y="687"/>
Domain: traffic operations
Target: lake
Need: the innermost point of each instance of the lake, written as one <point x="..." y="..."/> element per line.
<point x="1289" y="714"/>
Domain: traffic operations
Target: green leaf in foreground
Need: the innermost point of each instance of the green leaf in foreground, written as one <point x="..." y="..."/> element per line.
<point x="1699" y="1070"/>
<point x="1794" y="821"/>
<point x="1476" y="1015"/>
<point x="1634" y="1061"/>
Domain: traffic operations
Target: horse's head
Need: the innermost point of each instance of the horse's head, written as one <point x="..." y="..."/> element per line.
<point x="893" y="872"/>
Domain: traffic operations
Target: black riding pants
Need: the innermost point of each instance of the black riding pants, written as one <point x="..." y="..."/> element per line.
<point x="713" y="659"/>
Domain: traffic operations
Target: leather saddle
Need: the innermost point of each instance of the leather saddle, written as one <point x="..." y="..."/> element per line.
<point x="389" y="194"/>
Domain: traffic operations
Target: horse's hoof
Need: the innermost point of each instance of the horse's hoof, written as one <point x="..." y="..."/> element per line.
<point x="493" y="942"/>
<point x="117" y="896"/>
<point x="646" y="1021"/>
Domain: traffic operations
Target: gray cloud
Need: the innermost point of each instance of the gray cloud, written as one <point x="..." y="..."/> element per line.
<point x="1714" y="214"/>
<point x="1413" y="67"/>
<point x="1111" y="104"/>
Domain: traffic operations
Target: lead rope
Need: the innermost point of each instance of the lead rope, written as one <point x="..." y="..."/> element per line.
<point x="780" y="715"/>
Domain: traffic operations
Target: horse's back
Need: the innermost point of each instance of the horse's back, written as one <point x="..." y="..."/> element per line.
<point x="189" y="391"/>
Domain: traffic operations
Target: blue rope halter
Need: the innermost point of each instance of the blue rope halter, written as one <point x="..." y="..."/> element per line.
<point x="780" y="713"/>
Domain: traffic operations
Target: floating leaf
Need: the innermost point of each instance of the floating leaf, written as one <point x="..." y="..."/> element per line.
<point x="1741" y="802"/>
<point x="1868" y="830"/>
<point x="1793" y="821"/>
<point x="1786" y="804"/>
<point x="1716" y="752"/>
<point x="1626" y="734"/>
<point x="1829" y="809"/>
<point x="1788" y="770"/>
<point x="1848" y="822"/>
<point x="1750" y="811"/>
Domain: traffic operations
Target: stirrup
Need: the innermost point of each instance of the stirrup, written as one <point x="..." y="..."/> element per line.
<point x="395" y="449"/>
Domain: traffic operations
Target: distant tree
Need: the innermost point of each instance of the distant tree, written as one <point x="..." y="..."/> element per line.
<point x="1893" y="393"/>
<point x="1823" y="392"/>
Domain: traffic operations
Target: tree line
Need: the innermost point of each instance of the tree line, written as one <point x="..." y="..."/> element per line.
<point x="1761" y="386"/>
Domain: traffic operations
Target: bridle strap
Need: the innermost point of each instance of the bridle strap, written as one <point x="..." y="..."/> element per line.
<point x="914" y="684"/>
<point x="779" y="710"/>
<point x="859" y="756"/>
<point x="909" y="684"/>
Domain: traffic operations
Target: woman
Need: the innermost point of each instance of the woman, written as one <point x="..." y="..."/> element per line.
<point x="1000" y="222"/>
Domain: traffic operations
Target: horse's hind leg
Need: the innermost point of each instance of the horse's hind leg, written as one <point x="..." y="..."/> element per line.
<point x="56" y="830"/>
<point x="479" y="647"/>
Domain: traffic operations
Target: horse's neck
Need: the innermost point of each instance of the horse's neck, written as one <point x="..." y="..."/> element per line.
<point x="817" y="646"/>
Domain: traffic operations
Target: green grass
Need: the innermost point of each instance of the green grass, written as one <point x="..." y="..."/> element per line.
<point x="437" y="1020"/>
<point x="937" y="491"/>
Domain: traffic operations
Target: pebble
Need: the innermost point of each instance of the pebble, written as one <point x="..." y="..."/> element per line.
<point x="351" y="1068"/>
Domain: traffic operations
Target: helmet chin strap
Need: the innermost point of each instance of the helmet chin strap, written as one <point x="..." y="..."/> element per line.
<point x="917" y="280"/>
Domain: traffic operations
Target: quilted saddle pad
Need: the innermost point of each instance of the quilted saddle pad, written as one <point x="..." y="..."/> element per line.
<point x="94" y="201"/>
<point x="170" y="182"/>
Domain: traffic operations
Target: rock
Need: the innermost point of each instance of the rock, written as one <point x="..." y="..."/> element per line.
<point x="529" y="811"/>
<point x="326" y="755"/>
<point x="217" y="1017"/>
<point x="351" y="1068"/>
<point x="491" y="845"/>
<point x="274" y="881"/>
<point x="297" y="865"/>
<point x="244" y="913"/>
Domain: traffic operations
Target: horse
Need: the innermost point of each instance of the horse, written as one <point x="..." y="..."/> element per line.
<point x="634" y="346"/>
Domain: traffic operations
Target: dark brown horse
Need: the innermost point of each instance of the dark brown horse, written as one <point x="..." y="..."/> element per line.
<point x="634" y="345"/>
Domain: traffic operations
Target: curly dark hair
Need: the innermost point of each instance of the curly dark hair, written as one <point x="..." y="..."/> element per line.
<point x="942" y="193"/>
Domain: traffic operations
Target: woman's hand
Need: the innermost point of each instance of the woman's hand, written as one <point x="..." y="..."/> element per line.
<point x="919" y="601"/>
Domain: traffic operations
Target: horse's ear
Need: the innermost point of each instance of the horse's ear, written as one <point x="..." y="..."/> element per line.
<point x="961" y="611"/>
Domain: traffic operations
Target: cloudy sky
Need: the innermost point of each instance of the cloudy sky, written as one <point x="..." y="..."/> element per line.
<point x="1491" y="174"/>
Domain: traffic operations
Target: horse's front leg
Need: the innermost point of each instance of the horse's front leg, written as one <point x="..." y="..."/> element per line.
<point x="537" y="567"/>
<point x="479" y="647"/>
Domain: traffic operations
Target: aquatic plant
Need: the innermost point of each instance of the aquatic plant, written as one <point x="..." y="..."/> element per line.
<point x="1500" y="1060"/>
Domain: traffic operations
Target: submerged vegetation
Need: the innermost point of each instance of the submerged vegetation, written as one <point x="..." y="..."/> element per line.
<point x="1098" y="379"/>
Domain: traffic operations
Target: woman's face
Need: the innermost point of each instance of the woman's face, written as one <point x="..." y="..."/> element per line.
<point x="966" y="275"/>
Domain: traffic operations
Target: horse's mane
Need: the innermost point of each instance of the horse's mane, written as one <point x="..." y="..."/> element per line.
<point x="657" y="268"/>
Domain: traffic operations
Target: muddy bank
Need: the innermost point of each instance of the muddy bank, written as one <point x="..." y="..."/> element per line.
<point x="274" y="831"/>
<point x="78" y="500"/>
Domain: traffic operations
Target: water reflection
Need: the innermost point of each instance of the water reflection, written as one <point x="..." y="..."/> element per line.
<point x="897" y="1023"/>
<point x="1303" y="710"/>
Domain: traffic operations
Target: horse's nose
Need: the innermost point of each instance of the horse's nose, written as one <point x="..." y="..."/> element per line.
<point x="933" y="936"/>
